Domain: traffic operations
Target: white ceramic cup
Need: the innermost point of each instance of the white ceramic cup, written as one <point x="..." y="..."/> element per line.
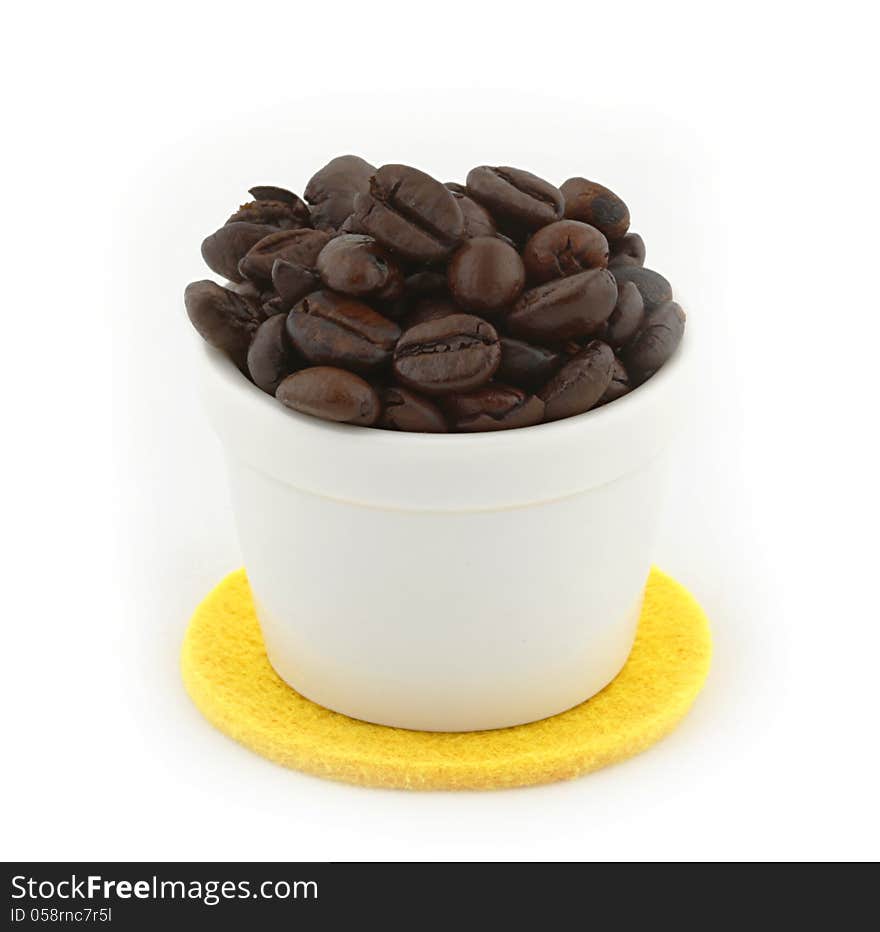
<point x="446" y="582"/>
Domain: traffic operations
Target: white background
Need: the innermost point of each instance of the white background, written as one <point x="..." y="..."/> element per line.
<point x="742" y="137"/>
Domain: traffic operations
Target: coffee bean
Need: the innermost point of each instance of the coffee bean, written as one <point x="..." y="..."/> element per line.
<point x="485" y="274"/>
<point x="493" y="407"/>
<point x="526" y="365"/>
<point x="477" y="220"/>
<point x="564" y="248"/>
<point x="285" y="215"/>
<point x="406" y="410"/>
<point x="371" y="279"/>
<point x="519" y="200"/>
<point x="564" y="309"/>
<point x="627" y="316"/>
<point x="223" y="250"/>
<point x="223" y="318"/>
<point x="350" y="225"/>
<point x="276" y="305"/>
<point x="332" y="394"/>
<point x="630" y="250"/>
<point x="658" y="339"/>
<point x="331" y="190"/>
<point x="510" y="242"/>
<point x="270" y="358"/>
<point x="618" y="386"/>
<point x="653" y="287"/>
<point x="337" y="330"/>
<point x="269" y="192"/>
<point x="420" y="284"/>
<point x="595" y="204"/>
<point x="457" y="353"/>
<point x="248" y="290"/>
<point x="357" y="265"/>
<point x="431" y="308"/>
<point x="293" y="282"/>
<point x="300" y="247"/>
<point x="580" y="383"/>
<point x="410" y="213"/>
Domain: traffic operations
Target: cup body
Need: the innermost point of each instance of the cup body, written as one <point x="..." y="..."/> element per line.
<point x="446" y="582"/>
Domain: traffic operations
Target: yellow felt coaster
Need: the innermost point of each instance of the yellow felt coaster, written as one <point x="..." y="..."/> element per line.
<point x="229" y="678"/>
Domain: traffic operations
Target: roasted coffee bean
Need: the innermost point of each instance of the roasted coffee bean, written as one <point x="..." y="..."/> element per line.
<point x="594" y="204"/>
<point x="350" y="225"/>
<point x="493" y="407"/>
<point x="372" y="278"/>
<point x="564" y="248"/>
<point x="618" y="386"/>
<point x="248" y="290"/>
<point x="270" y="358"/>
<point x="431" y="308"/>
<point x="510" y="242"/>
<point x="276" y="305"/>
<point x="337" y="330"/>
<point x="332" y="394"/>
<point x="332" y="190"/>
<point x="420" y="284"/>
<point x="519" y="200"/>
<point x="477" y="220"/>
<point x="485" y="274"/>
<point x="223" y="318"/>
<point x="223" y="250"/>
<point x="653" y="287"/>
<point x="410" y="213"/>
<point x="580" y="383"/>
<point x="457" y="353"/>
<point x="268" y="192"/>
<point x="630" y="250"/>
<point x="526" y="365"/>
<point x="406" y="410"/>
<point x="357" y="265"/>
<point x="564" y="309"/>
<point x="285" y="215"/>
<point x="300" y="247"/>
<point x="627" y="316"/>
<point x="656" y="341"/>
<point x="293" y="282"/>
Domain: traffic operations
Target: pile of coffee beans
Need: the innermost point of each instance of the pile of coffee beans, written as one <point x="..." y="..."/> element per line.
<point x="388" y="299"/>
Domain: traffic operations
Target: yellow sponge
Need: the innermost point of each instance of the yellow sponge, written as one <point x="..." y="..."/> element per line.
<point x="226" y="673"/>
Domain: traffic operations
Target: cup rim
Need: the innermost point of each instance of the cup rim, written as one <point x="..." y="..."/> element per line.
<point x="606" y="416"/>
<point x="453" y="472"/>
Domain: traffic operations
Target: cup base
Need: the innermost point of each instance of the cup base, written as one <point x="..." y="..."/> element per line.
<point x="227" y="673"/>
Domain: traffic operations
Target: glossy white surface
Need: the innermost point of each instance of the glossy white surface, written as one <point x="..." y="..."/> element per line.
<point x="446" y="583"/>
